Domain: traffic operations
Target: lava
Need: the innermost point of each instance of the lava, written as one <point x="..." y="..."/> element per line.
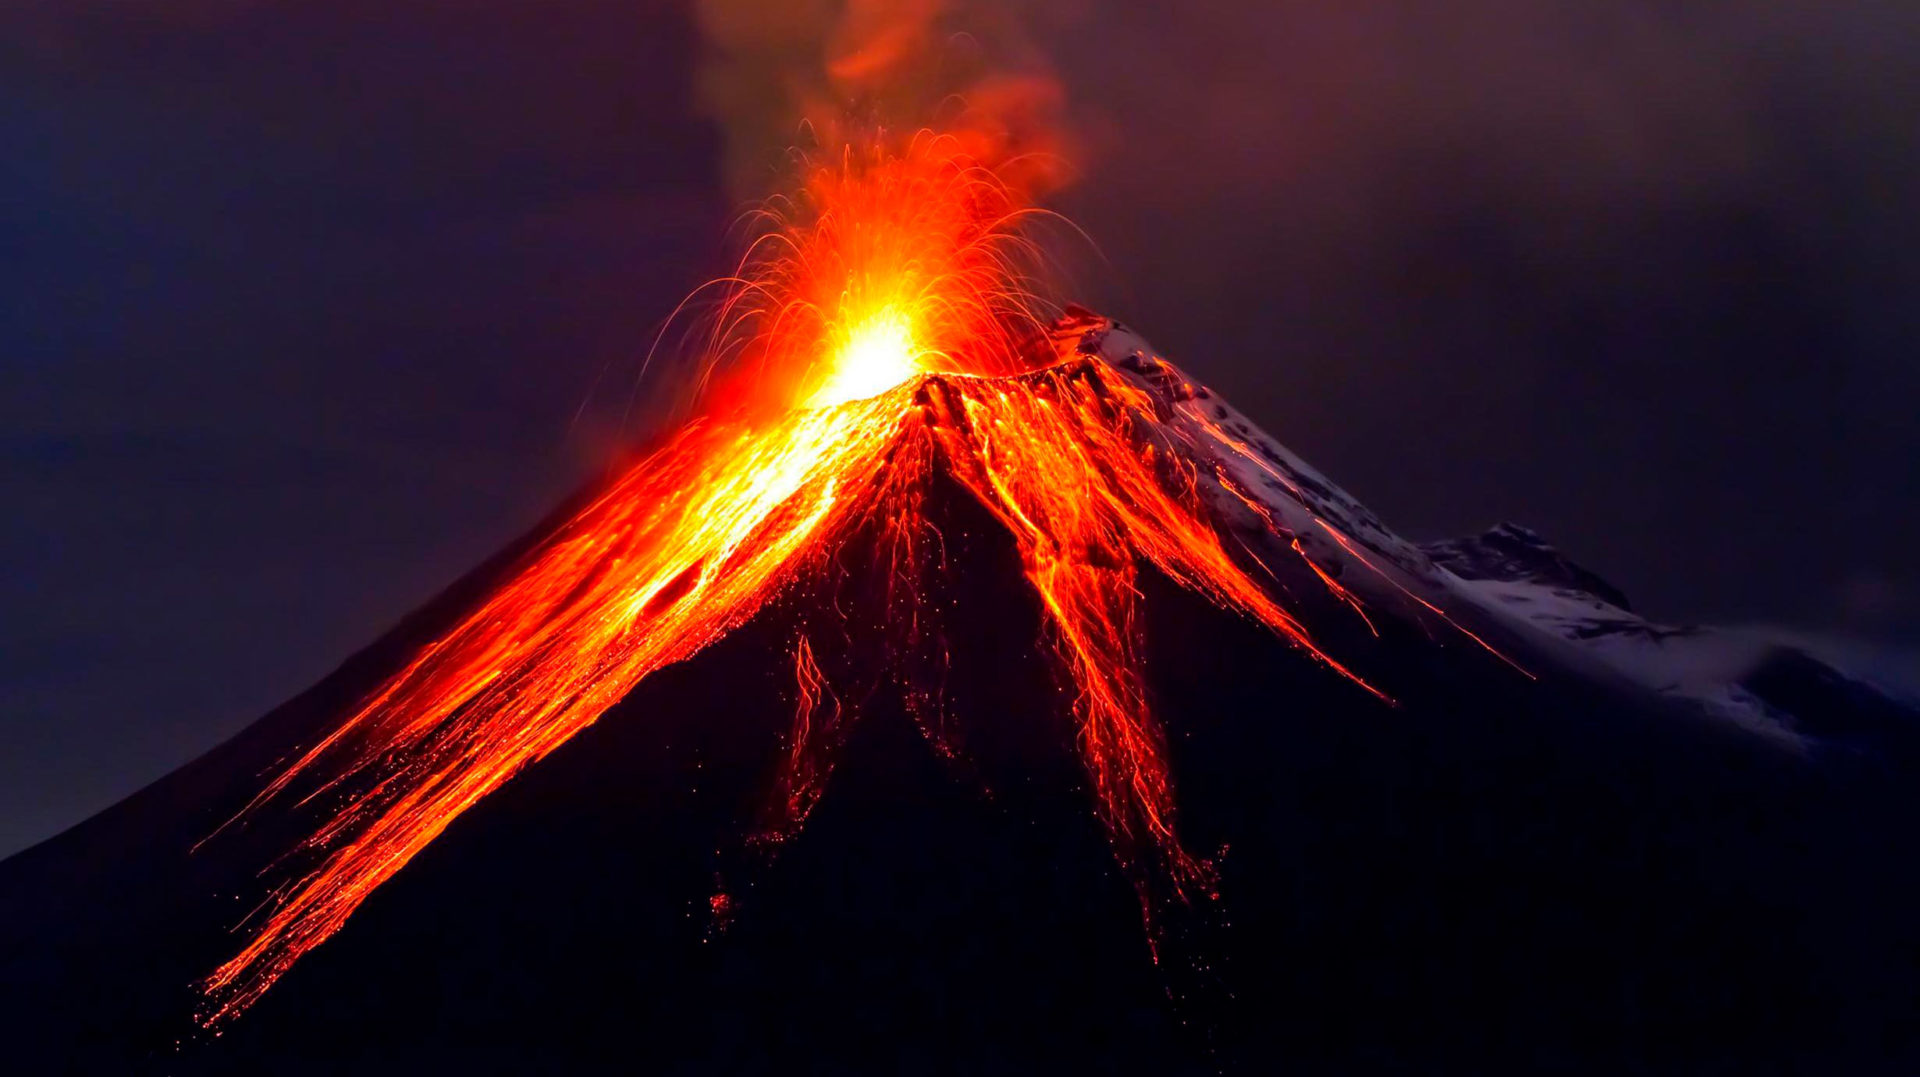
<point x="883" y="330"/>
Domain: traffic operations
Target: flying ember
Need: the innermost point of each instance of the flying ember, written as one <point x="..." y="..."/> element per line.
<point x="885" y="328"/>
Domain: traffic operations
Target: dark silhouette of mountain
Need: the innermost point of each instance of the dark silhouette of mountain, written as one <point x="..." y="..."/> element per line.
<point x="1568" y="871"/>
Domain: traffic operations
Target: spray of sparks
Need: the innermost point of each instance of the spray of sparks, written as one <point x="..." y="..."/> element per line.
<point x="879" y="333"/>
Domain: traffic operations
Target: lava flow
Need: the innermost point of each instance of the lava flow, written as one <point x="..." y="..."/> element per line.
<point x="882" y="331"/>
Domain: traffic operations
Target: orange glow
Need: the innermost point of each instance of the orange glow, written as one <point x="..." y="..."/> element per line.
<point x="878" y="354"/>
<point x="882" y="333"/>
<point x="803" y="774"/>
<point x="883" y="265"/>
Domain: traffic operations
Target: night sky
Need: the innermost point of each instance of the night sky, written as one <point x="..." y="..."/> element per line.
<point x="305" y="309"/>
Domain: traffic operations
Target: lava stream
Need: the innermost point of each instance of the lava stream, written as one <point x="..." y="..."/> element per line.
<point x="889" y="306"/>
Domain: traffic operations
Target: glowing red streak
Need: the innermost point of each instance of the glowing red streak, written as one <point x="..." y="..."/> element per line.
<point x="803" y="775"/>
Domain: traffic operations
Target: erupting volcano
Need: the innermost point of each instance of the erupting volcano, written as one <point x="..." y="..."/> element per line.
<point x="882" y="332"/>
<point x="933" y="563"/>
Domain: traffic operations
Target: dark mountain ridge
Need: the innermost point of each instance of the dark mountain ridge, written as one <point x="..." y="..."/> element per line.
<point x="1497" y="872"/>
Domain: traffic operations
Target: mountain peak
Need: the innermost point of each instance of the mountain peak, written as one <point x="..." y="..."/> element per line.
<point x="1513" y="553"/>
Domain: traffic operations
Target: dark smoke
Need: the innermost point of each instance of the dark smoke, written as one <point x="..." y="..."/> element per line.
<point x="1635" y="271"/>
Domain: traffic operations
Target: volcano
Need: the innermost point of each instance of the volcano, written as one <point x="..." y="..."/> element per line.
<point x="1442" y="809"/>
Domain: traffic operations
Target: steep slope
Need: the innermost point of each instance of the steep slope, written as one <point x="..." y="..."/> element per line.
<point x="1526" y="859"/>
<point x="1753" y="679"/>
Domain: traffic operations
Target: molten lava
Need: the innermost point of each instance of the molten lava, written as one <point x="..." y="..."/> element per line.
<point x="883" y="330"/>
<point x="879" y="353"/>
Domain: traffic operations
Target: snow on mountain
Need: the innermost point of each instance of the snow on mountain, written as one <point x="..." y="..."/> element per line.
<point x="1766" y="681"/>
<point x="1763" y="682"/>
<point x="1514" y="572"/>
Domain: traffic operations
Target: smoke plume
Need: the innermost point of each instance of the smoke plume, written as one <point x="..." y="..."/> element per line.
<point x="822" y="74"/>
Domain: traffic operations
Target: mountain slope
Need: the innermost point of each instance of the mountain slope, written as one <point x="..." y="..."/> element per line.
<point x="1527" y="860"/>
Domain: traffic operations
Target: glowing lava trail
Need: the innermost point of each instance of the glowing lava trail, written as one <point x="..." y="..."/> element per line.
<point x="887" y="301"/>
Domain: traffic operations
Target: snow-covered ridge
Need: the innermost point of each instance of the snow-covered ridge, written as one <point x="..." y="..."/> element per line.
<point x="1512" y="571"/>
<point x="1515" y="553"/>
<point x="1763" y="680"/>
<point x="1756" y="681"/>
<point x="1333" y="527"/>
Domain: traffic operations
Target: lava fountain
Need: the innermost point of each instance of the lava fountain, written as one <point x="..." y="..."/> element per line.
<point x="886" y="326"/>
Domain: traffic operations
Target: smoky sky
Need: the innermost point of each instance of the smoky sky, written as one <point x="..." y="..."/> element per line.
<point x="304" y="309"/>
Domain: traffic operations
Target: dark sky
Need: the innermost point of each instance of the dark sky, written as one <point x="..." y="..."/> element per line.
<point x="300" y="304"/>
